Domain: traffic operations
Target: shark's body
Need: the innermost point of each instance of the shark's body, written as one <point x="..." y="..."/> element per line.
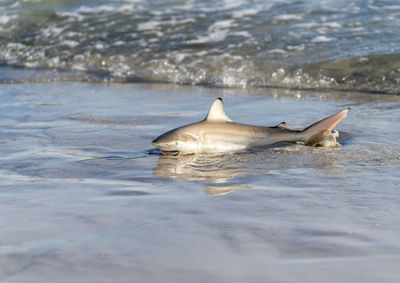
<point x="217" y="132"/>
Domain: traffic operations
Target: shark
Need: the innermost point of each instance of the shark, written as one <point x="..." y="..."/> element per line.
<point x="218" y="133"/>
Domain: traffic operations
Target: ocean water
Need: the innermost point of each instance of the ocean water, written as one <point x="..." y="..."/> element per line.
<point x="346" y="45"/>
<point x="85" y="86"/>
<point x="85" y="197"/>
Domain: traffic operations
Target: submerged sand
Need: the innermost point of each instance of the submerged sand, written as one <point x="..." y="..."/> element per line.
<point x="86" y="198"/>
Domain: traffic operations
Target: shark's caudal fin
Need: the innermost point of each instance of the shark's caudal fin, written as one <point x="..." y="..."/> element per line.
<point x="317" y="131"/>
<point x="217" y="113"/>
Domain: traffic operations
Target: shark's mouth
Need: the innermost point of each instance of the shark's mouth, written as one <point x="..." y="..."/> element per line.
<point x="170" y="152"/>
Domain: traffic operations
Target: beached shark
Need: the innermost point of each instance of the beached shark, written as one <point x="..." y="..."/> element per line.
<point x="218" y="133"/>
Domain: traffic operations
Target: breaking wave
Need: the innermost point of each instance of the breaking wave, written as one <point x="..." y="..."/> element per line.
<point x="346" y="45"/>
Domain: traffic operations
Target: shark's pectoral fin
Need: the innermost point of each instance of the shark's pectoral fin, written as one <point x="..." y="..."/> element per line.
<point x="217" y="113"/>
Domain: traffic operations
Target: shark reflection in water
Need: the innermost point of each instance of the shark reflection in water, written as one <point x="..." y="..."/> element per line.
<point x="225" y="173"/>
<point x="215" y="169"/>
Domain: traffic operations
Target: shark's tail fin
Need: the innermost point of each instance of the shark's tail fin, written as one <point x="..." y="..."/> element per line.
<point x="319" y="130"/>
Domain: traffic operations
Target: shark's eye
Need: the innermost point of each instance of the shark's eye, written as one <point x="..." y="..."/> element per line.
<point x="177" y="142"/>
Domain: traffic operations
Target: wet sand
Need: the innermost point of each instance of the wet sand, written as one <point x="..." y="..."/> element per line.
<point x="86" y="198"/>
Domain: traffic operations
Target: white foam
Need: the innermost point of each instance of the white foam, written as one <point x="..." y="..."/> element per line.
<point x="175" y="21"/>
<point x="15" y="4"/>
<point x="295" y="47"/>
<point x="322" y="38"/>
<point x="126" y="8"/>
<point x="72" y="34"/>
<point x="214" y="36"/>
<point x="244" y="12"/>
<point x="99" y="46"/>
<point x="180" y="57"/>
<point x="78" y="67"/>
<point x="241" y="33"/>
<point x="54" y="62"/>
<point x="31" y="64"/>
<point x="69" y="43"/>
<point x="52" y="31"/>
<point x="148" y="25"/>
<point x="120" y="70"/>
<point x="216" y="32"/>
<point x="95" y="9"/>
<point x="231" y="80"/>
<point x="118" y="43"/>
<point x="289" y="17"/>
<point x="4" y="19"/>
<point x="75" y="16"/>
<point x="15" y="46"/>
<point x="221" y="24"/>
<point x="332" y="25"/>
<point x="277" y="51"/>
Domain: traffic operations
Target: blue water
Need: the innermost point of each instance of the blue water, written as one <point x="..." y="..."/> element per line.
<point x="352" y="45"/>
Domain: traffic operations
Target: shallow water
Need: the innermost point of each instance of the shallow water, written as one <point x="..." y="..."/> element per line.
<point x="86" y="198"/>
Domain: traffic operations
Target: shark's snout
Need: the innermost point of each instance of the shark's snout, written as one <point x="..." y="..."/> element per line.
<point x="164" y="139"/>
<point x="166" y="148"/>
<point x="167" y="143"/>
<point x="178" y="140"/>
<point x="156" y="141"/>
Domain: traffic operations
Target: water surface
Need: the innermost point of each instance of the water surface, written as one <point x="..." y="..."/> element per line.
<point x="351" y="45"/>
<point x="85" y="196"/>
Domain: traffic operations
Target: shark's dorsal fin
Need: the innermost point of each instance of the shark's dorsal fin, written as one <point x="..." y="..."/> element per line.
<point x="217" y="113"/>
